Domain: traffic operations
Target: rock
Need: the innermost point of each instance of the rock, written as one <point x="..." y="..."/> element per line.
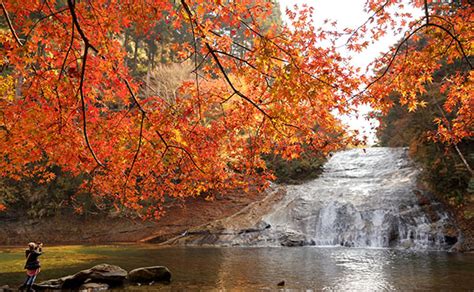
<point x="93" y="287"/>
<point x="53" y="284"/>
<point x="457" y="247"/>
<point x="407" y="244"/>
<point x="103" y="273"/>
<point x="6" y="288"/>
<point x="293" y="239"/>
<point x="450" y="240"/>
<point x="149" y="274"/>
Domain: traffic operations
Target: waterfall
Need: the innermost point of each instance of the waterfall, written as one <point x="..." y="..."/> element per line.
<point x="364" y="198"/>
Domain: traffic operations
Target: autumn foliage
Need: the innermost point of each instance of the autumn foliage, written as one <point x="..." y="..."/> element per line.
<point x="441" y="37"/>
<point x="69" y="99"/>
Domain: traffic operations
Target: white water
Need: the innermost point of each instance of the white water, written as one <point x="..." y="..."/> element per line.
<point x="362" y="199"/>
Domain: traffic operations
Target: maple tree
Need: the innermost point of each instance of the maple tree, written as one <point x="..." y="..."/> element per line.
<point x="68" y="98"/>
<point x="77" y="106"/>
<point x="443" y="36"/>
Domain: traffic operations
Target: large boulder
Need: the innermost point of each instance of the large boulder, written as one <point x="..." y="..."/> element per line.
<point x="103" y="273"/>
<point x="93" y="287"/>
<point x="53" y="284"/>
<point x="149" y="274"/>
<point x="292" y="238"/>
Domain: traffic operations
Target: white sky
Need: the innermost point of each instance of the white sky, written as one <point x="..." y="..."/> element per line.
<point x="350" y="13"/>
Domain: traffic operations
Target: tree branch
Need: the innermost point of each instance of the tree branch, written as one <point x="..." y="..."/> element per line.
<point x="221" y="68"/>
<point x="392" y="59"/>
<point x="165" y="143"/>
<point x="43" y="18"/>
<point x="83" y="106"/>
<point x="79" y="29"/>
<point x="9" y="22"/>
<point x="87" y="45"/>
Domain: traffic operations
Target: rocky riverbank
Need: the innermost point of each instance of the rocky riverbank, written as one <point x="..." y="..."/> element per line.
<point x="102" y="277"/>
<point x="102" y="229"/>
<point x="243" y="228"/>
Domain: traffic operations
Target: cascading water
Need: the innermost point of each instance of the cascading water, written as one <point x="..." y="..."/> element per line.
<point x="364" y="198"/>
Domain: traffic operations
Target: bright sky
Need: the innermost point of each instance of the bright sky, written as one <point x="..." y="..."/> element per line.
<point x="350" y="13"/>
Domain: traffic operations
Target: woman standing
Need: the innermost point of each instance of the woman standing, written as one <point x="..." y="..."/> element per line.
<point x="32" y="265"/>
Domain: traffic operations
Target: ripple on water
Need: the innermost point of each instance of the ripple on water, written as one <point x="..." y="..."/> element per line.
<point x="250" y="269"/>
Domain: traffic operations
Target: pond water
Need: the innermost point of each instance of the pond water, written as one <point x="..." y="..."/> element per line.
<point x="250" y="269"/>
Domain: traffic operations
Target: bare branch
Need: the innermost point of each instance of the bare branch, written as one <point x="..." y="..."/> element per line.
<point x="427" y="15"/>
<point x="226" y="77"/>
<point x="221" y="68"/>
<point x="138" y="149"/>
<point x="456" y="39"/>
<point x="458" y="151"/>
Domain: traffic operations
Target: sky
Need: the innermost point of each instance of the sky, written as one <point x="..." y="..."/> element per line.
<point x="350" y="13"/>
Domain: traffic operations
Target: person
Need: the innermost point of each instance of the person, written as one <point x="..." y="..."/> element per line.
<point x="32" y="265"/>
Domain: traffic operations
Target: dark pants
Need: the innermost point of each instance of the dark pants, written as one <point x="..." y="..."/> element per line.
<point x="30" y="280"/>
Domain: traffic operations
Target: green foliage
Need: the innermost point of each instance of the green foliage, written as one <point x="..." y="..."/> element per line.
<point x="295" y="171"/>
<point x="33" y="197"/>
<point x="470" y="186"/>
<point x="443" y="170"/>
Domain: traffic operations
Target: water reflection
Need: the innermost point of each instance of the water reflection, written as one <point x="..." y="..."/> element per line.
<point x="363" y="271"/>
<point x="305" y="268"/>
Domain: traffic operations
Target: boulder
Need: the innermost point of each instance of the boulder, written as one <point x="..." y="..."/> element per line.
<point x="93" y="287"/>
<point x="149" y="274"/>
<point x="103" y="273"/>
<point x="291" y="239"/>
<point x="6" y="288"/>
<point x="53" y="284"/>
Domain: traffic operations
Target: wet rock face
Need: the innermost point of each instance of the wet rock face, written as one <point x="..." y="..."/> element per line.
<point x="364" y="199"/>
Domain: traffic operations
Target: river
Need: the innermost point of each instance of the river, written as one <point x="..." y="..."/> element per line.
<point x="261" y="268"/>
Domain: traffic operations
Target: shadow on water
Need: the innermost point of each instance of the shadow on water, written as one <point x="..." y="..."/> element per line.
<point x="262" y="268"/>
